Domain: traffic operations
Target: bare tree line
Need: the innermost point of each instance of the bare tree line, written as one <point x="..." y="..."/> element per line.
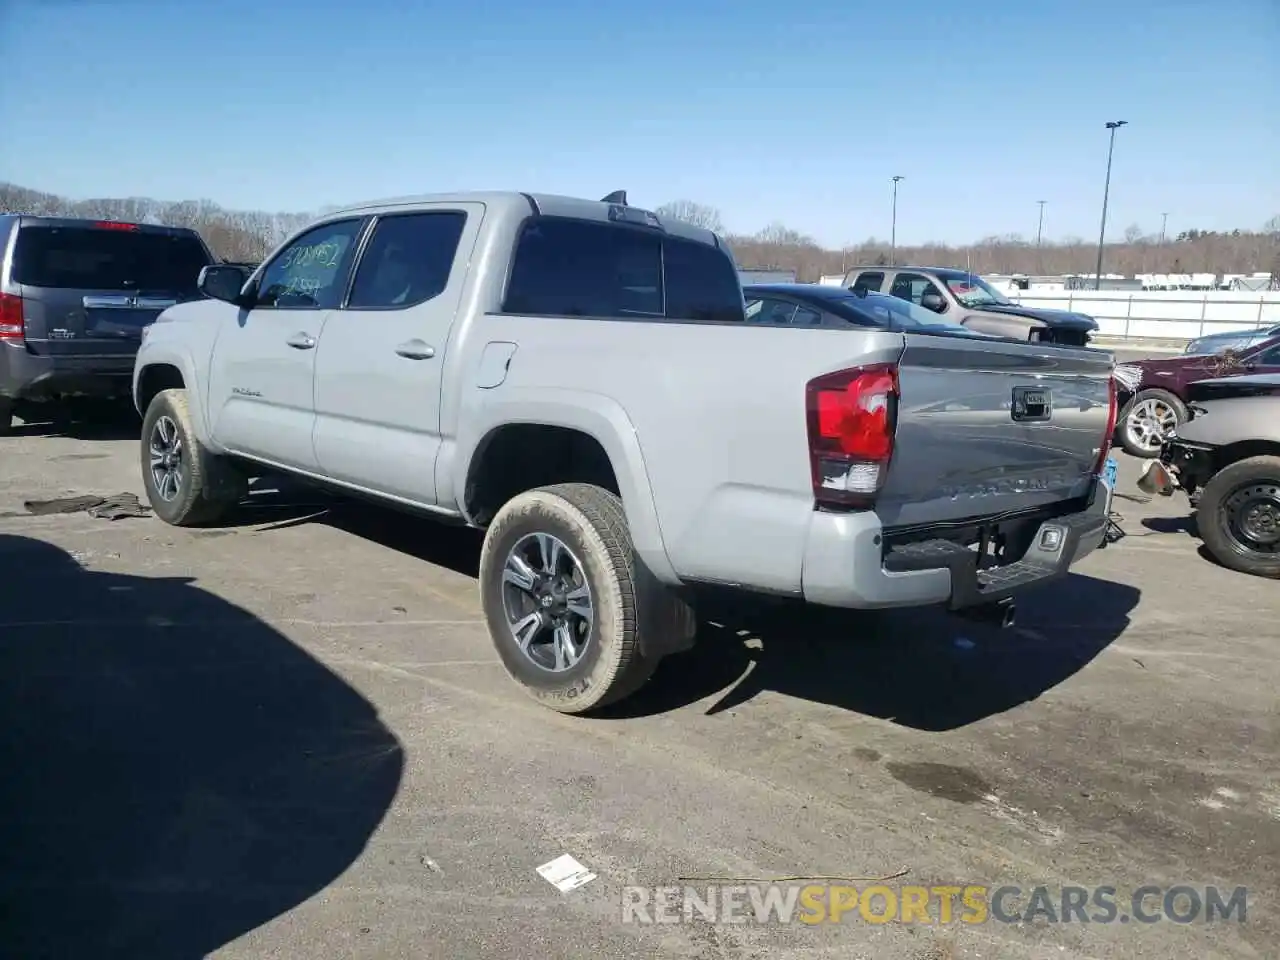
<point x="246" y="235"/>
<point x="779" y="247"/>
<point x="250" y="234"/>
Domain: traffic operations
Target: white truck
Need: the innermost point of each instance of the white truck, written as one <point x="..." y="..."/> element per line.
<point x="576" y="377"/>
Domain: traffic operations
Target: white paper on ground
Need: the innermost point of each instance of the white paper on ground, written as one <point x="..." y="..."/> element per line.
<point x="565" y="873"/>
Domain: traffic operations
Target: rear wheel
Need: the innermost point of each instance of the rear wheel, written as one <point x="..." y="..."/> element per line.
<point x="569" y="608"/>
<point x="1238" y="516"/>
<point x="186" y="485"/>
<point x="6" y="416"/>
<point x="1147" y="421"/>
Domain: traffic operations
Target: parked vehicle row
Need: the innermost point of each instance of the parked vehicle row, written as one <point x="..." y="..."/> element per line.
<point x="1154" y="392"/>
<point x="1226" y="457"/>
<point x="966" y="299"/>
<point x="482" y="358"/>
<point x="75" y="296"/>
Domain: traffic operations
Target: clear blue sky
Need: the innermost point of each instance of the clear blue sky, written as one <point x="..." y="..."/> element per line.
<point x="769" y="111"/>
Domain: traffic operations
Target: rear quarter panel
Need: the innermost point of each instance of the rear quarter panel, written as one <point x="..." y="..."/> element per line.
<point x="717" y="413"/>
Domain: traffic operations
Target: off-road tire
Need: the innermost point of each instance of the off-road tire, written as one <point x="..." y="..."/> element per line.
<point x="628" y="603"/>
<point x="1127" y="440"/>
<point x="211" y="485"/>
<point x="1212" y="523"/>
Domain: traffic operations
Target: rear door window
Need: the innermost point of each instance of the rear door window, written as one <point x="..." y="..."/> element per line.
<point x="805" y="317"/>
<point x="107" y="258"/>
<point x="770" y="313"/>
<point x="869" y="280"/>
<point x="407" y="260"/>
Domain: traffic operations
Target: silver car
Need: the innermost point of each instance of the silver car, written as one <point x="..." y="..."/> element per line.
<point x="1232" y="340"/>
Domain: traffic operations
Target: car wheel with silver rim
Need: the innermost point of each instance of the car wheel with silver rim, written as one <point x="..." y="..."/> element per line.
<point x="568" y="605"/>
<point x="1148" y="420"/>
<point x="186" y="485"/>
<point x="166" y="453"/>
<point x="547" y="601"/>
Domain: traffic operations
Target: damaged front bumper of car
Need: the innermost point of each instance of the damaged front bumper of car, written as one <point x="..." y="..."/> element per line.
<point x="1182" y="465"/>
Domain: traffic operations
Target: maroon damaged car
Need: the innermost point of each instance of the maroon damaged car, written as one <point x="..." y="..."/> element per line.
<point x="1153" y="392"/>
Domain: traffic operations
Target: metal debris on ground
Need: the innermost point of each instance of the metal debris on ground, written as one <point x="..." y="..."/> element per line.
<point x="102" y="508"/>
<point x="1113" y="531"/>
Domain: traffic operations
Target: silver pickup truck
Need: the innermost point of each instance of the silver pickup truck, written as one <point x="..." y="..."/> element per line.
<point x="577" y="378"/>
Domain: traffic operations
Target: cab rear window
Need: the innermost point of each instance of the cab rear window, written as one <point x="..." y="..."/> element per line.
<point x="581" y="268"/>
<point x="96" y="259"/>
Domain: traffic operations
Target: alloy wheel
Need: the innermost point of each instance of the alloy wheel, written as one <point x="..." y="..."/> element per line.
<point x="547" y="601"/>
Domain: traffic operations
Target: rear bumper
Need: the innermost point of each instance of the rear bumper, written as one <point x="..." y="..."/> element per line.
<point x="846" y="565"/>
<point x="28" y="376"/>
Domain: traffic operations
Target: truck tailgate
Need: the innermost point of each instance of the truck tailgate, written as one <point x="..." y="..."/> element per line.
<point x="992" y="427"/>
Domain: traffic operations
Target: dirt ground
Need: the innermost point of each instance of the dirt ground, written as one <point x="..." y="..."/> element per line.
<point x="291" y="738"/>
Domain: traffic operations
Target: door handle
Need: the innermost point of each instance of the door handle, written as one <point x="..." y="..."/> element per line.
<point x="301" y="341"/>
<point x="416" y="350"/>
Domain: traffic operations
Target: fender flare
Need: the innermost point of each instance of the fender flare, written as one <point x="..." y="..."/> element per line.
<point x="174" y="356"/>
<point x="596" y="415"/>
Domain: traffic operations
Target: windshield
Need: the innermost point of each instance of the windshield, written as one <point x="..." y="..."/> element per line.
<point x="899" y="314"/>
<point x="971" y="290"/>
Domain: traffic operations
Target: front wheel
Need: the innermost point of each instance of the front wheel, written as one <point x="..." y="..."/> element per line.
<point x="1238" y="516"/>
<point x="186" y="485"/>
<point x="569" y="608"/>
<point x="1148" y="419"/>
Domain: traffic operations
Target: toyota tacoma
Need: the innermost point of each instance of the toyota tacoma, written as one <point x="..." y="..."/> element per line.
<point x="578" y="378"/>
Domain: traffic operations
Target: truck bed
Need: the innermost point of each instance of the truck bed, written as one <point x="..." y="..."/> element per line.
<point x="719" y="413"/>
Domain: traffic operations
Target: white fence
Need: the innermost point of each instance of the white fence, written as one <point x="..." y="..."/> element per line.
<point x="1162" y="314"/>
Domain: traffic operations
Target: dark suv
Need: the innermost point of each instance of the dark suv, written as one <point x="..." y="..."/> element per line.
<point x="75" y="296"/>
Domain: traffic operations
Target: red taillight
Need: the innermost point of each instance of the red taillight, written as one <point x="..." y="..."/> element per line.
<point x="1113" y="414"/>
<point x="852" y="415"/>
<point x="11" y="324"/>
<point x="115" y="225"/>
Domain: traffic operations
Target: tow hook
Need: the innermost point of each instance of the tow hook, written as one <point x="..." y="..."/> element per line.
<point x="1002" y="613"/>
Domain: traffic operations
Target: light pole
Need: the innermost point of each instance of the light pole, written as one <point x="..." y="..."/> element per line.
<point x="893" y="225"/>
<point x="1039" y="234"/>
<point x="1164" y="222"/>
<point x="1113" y="126"/>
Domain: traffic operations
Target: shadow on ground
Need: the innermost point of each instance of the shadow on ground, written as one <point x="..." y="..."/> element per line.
<point x="1185" y="525"/>
<point x="99" y="420"/>
<point x="919" y="668"/>
<point x="277" y="503"/>
<point x="176" y="772"/>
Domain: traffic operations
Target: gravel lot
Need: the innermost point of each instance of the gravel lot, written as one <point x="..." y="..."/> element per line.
<point x="291" y="738"/>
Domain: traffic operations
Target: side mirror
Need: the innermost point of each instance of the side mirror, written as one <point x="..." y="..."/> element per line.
<point x="222" y="281"/>
<point x="934" y="302"/>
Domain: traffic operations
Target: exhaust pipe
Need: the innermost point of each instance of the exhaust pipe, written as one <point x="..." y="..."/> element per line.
<point x="1002" y="613"/>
